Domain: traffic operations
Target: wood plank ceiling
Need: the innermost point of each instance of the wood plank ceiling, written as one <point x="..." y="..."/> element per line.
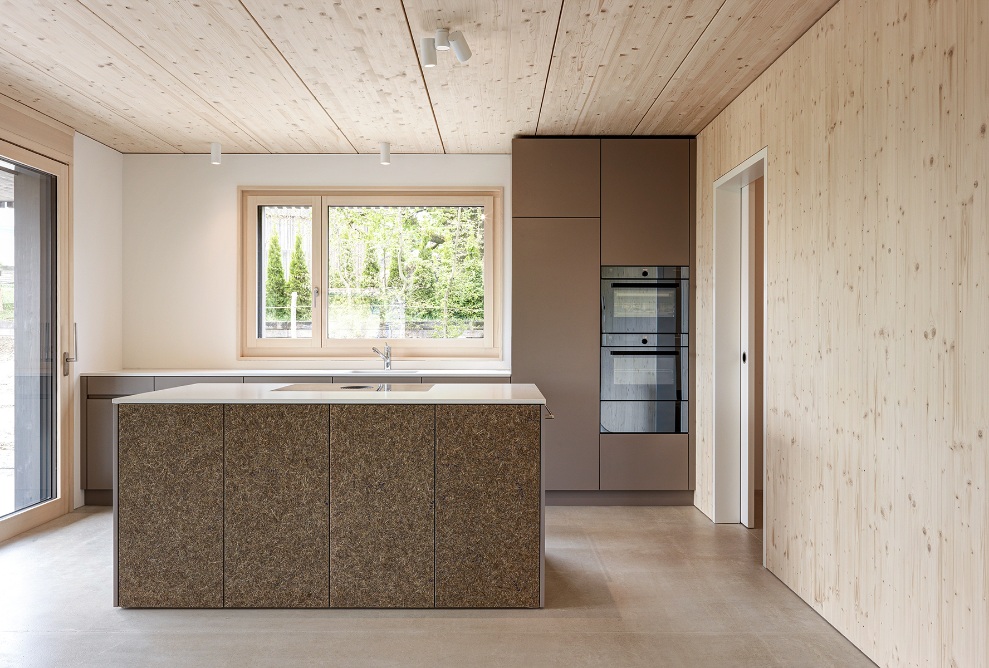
<point x="324" y="76"/>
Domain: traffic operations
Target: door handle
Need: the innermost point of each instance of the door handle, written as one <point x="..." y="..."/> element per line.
<point x="75" y="351"/>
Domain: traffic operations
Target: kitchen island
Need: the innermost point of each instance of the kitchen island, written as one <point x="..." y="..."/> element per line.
<point x="329" y="495"/>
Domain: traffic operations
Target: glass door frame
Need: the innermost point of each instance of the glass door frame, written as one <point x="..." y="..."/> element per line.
<point x="64" y="433"/>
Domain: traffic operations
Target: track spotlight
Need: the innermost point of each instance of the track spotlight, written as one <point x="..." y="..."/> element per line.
<point x="460" y="48"/>
<point x="444" y="40"/>
<point x="428" y="45"/>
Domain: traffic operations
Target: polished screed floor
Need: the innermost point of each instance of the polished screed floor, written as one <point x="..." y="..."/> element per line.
<point x="624" y="587"/>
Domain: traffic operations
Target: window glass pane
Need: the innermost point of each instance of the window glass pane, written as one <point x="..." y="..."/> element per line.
<point x="285" y="271"/>
<point x="405" y="272"/>
<point x="27" y="337"/>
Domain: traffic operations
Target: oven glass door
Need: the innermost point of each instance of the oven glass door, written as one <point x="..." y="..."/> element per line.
<point x="643" y="374"/>
<point x="643" y="417"/>
<point x="630" y="307"/>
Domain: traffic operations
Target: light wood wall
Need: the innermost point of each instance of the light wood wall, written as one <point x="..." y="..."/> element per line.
<point x="877" y="301"/>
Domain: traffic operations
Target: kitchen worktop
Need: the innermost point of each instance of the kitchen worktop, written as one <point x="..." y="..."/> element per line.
<point x="375" y="393"/>
<point x="377" y="371"/>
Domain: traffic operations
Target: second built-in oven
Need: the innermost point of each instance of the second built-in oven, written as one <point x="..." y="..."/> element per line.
<point x="644" y="384"/>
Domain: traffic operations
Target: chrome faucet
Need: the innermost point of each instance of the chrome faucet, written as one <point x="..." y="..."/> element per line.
<point x="385" y="356"/>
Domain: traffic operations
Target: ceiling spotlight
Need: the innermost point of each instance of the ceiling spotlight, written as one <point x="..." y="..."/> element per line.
<point x="214" y="153"/>
<point x="459" y="45"/>
<point x="442" y="39"/>
<point x="428" y="45"/>
<point x="385" y="149"/>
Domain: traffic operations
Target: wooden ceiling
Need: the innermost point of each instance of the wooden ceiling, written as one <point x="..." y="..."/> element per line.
<point x="340" y="76"/>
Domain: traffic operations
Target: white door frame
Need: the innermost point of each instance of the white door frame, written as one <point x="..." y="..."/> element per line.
<point x="734" y="475"/>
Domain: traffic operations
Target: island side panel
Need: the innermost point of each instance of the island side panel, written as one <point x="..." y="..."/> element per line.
<point x="381" y="506"/>
<point x="487" y="506"/>
<point x="276" y="528"/>
<point x="170" y="506"/>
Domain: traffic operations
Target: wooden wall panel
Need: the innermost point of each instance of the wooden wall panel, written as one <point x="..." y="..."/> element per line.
<point x="877" y="304"/>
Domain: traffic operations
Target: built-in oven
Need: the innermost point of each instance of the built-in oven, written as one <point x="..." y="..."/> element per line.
<point x="643" y="383"/>
<point x="644" y="300"/>
<point x="644" y="323"/>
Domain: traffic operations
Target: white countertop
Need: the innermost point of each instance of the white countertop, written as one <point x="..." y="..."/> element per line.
<point x="378" y="371"/>
<point x="268" y="393"/>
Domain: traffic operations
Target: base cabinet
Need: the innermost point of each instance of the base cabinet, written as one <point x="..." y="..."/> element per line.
<point x="169" y="510"/>
<point x="487" y="507"/>
<point x="381" y="506"/>
<point x="276" y="495"/>
<point x="644" y="462"/>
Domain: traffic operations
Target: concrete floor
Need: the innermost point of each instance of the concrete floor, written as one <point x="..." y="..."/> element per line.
<point x="625" y="587"/>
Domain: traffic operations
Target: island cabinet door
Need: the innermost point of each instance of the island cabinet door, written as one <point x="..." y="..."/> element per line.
<point x="169" y="506"/>
<point x="487" y="506"/>
<point x="381" y="506"/>
<point x="276" y="528"/>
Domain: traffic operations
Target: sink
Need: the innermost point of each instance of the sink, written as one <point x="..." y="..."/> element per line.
<point x="355" y="387"/>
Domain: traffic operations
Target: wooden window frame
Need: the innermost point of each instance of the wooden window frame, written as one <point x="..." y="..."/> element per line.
<point x="62" y="502"/>
<point x="319" y="347"/>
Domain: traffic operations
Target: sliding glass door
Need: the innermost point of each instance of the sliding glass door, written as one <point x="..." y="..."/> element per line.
<point x="28" y="337"/>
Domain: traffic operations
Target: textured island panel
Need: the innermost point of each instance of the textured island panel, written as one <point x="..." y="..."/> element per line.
<point x="277" y="506"/>
<point x="170" y="506"/>
<point x="381" y="506"/>
<point x="487" y="506"/>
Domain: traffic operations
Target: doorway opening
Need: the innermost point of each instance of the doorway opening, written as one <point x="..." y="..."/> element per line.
<point x="739" y="318"/>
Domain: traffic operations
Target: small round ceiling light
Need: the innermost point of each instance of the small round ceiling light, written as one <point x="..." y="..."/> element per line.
<point x="385" y="150"/>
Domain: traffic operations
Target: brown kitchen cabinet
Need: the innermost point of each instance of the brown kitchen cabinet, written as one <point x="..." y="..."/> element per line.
<point x="556" y="338"/>
<point x="556" y="178"/>
<point x="656" y="462"/>
<point x="645" y="201"/>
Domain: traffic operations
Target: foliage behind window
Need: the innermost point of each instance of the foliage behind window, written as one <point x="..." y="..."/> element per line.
<point x="405" y="272"/>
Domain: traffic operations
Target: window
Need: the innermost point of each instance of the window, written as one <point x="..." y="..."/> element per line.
<point x="332" y="273"/>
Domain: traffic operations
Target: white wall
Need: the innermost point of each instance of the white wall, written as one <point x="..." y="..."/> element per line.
<point x="181" y="232"/>
<point x="97" y="215"/>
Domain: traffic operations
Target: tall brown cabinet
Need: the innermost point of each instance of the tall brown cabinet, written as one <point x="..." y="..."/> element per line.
<point x="579" y="204"/>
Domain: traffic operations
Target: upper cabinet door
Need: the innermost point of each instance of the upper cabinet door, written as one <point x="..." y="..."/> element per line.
<point x="645" y="202"/>
<point x="556" y="178"/>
